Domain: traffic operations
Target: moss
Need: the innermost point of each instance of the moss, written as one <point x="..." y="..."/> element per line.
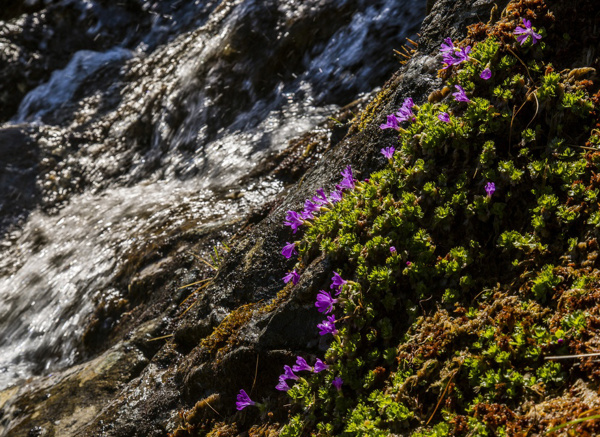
<point x="372" y="110"/>
<point x="451" y="333"/>
<point x="228" y="334"/>
<point x="481" y="287"/>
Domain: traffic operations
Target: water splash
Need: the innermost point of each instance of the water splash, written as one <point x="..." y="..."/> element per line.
<point x="71" y="258"/>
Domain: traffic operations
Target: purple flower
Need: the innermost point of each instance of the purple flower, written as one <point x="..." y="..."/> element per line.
<point x="243" y="400"/>
<point x="294" y="220"/>
<point x="320" y="366"/>
<point x="347" y="173"/>
<point x="444" y="116"/>
<point x="337" y="383"/>
<point x="282" y="386"/>
<point x="287" y="374"/>
<point x="460" y="95"/>
<point x="307" y="215"/>
<point x="486" y="74"/>
<point x="490" y="187"/>
<point x="320" y="198"/>
<point x="325" y="302"/>
<point x="449" y="60"/>
<point x="348" y="179"/>
<point x="337" y="282"/>
<point x="301" y="365"/>
<point x="526" y="32"/>
<point x="447" y="46"/>
<point x="462" y="55"/>
<point x="392" y="123"/>
<point x="335" y="196"/>
<point x="293" y="276"/>
<point x="408" y="263"/>
<point x="453" y="55"/>
<point x="328" y="326"/>
<point x="388" y="152"/>
<point x="289" y="249"/>
<point x="392" y="250"/>
<point x="405" y="112"/>
<point x="309" y="208"/>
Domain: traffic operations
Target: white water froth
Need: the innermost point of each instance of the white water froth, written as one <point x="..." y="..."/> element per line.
<point x="73" y="256"/>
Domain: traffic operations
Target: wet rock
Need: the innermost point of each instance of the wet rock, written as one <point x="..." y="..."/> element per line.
<point x="19" y="168"/>
<point x="49" y="33"/>
<point x="63" y="403"/>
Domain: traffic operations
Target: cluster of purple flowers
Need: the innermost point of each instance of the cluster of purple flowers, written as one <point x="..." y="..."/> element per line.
<point x="325" y="302"/>
<point x="453" y="55"/>
<point x="300" y="366"/>
<point x="405" y="113"/>
<point x="319" y="202"/>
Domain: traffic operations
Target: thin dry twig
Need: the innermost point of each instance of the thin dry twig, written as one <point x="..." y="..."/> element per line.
<point x="161" y="338"/>
<point x="442" y="396"/>
<point x="194" y="283"/>
<point x="566" y="357"/>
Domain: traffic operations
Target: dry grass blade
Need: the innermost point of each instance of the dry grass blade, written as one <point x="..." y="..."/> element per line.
<point x="407" y="51"/>
<point x="194" y="283"/>
<point x="566" y="357"/>
<point x="442" y="396"/>
<point x="161" y="338"/>
<point x="194" y="292"/>
<point x="199" y="258"/>
<point x="573" y="422"/>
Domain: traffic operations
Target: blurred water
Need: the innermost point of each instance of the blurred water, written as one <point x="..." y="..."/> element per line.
<point x="71" y="258"/>
<point x="63" y="83"/>
<point x="189" y="117"/>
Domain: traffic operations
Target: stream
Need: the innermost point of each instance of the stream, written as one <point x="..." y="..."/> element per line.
<point x="147" y="128"/>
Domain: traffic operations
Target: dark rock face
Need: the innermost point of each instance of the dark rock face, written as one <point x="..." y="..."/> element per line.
<point x="19" y="168"/>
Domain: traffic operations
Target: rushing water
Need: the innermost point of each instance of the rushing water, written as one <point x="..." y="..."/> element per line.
<point x="162" y="120"/>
